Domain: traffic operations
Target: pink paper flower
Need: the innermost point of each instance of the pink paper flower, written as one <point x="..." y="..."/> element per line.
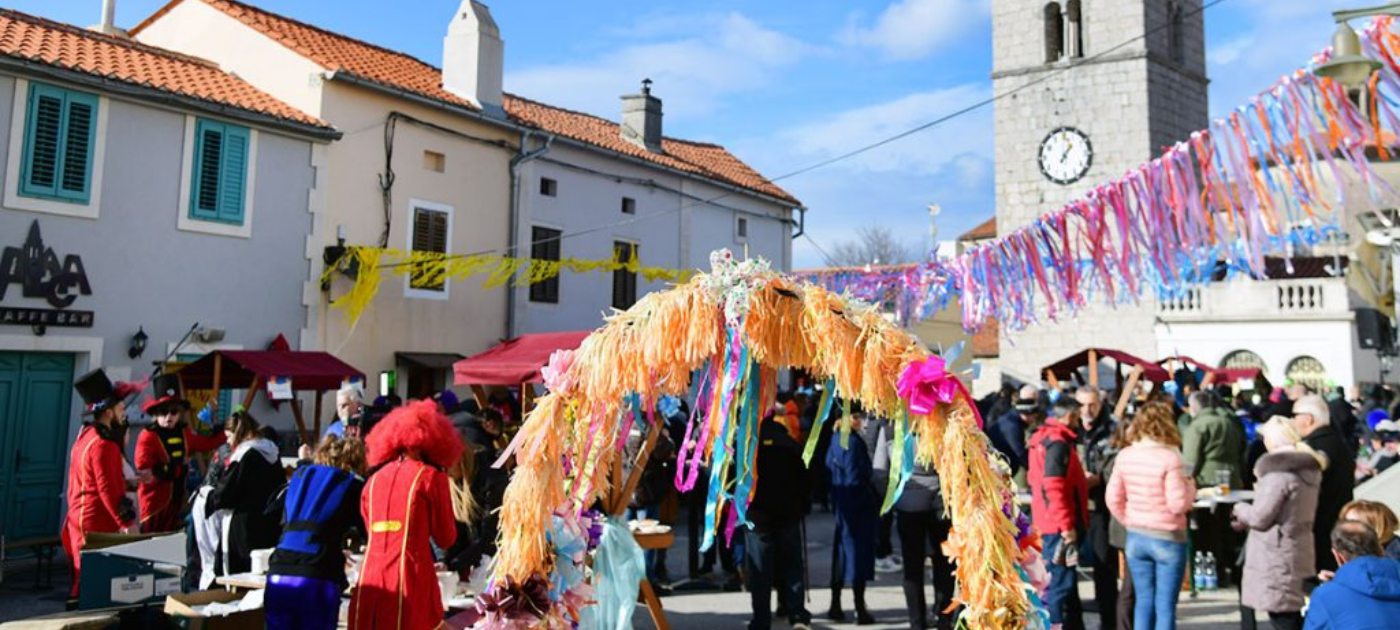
<point x="556" y="373"/>
<point x="926" y="384"/>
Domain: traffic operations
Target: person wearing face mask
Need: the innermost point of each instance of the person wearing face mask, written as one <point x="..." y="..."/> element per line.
<point x="162" y="450"/>
<point x="349" y="405"/>
<point x="96" y="485"/>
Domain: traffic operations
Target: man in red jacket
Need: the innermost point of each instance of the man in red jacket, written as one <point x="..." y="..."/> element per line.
<point x="96" y="486"/>
<point x="162" y="449"/>
<point x="1059" y="508"/>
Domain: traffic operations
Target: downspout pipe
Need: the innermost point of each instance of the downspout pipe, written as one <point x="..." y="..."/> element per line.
<point x="801" y="222"/>
<point x="523" y="154"/>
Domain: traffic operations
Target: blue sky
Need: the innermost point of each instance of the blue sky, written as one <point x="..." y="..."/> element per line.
<point x="787" y="83"/>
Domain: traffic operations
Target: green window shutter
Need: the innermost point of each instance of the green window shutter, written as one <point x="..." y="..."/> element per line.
<point x="79" y="133"/>
<point x="60" y="130"/>
<point x="233" y="175"/>
<point x="220" y="172"/>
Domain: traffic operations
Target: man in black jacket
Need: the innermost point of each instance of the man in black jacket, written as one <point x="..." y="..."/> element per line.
<point x="774" y="543"/>
<point x="1314" y="423"/>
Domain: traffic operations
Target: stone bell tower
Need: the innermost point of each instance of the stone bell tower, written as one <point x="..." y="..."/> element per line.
<point x="1113" y="82"/>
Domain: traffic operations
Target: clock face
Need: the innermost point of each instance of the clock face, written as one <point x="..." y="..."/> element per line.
<point x="1065" y="155"/>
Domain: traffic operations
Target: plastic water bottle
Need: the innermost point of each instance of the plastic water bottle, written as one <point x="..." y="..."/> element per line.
<point x="1211" y="580"/>
<point x="1198" y="571"/>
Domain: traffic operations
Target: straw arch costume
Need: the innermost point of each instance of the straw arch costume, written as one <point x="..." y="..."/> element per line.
<point x="405" y="504"/>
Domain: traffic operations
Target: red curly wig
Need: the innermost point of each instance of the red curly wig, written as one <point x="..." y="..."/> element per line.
<point x="417" y="426"/>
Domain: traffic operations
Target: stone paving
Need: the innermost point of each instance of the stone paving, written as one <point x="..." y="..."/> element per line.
<point x="698" y="610"/>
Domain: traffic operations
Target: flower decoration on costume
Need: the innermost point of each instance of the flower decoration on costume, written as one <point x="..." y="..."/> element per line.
<point x="514" y="606"/>
<point x="556" y="372"/>
<point x="927" y="384"/>
<point x="731" y="282"/>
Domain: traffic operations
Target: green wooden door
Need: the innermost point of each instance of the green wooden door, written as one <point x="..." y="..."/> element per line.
<point x="36" y="392"/>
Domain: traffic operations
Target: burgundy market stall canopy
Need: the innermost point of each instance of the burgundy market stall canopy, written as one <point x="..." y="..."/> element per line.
<point x="251" y="369"/>
<point x="1219" y="375"/>
<point x="515" y="361"/>
<point x="1067" y="368"/>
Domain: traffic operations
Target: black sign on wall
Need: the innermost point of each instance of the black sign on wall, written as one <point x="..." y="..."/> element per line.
<point x="41" y="275"/>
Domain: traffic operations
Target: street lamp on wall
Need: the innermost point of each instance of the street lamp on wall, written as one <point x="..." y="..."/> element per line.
<point x="138" y="343"/>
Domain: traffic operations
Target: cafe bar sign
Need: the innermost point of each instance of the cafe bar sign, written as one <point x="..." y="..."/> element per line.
<point x="41" y="275"/>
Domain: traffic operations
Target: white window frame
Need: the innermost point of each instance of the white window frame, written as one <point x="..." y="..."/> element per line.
<point x="15" y="161"/>
<point x="413" y="206"/>
<point x="184" y="222"/>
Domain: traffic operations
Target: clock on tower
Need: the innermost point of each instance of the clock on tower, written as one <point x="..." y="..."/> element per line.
<point x="1107" y="108"/>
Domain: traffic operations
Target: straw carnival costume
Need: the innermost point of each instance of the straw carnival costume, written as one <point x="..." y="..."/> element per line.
<point x="163" y="448"/>
<point x="405" y="503"/>
<point x="96" y="486"/>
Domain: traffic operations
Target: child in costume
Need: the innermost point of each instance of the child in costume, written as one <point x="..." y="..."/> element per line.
<point x="406" y="502"/>
<point x="162" y="449"/>
<point x="307" y="570"/>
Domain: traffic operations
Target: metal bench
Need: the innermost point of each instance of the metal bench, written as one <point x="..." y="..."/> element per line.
<point x="44" y="549"/>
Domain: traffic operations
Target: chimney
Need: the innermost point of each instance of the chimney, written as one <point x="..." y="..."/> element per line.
<point x="641" y="119"/>
<point x="473" y="57"/>
<point x="108" y="26"/>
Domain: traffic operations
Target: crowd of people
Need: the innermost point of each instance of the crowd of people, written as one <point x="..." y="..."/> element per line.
<point x="403" y="490"/>
<point x="1146" y="488"/>
<point x="411" y="489"/>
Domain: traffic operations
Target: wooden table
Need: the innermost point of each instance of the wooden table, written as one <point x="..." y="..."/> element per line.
<point x="242" y="581"/>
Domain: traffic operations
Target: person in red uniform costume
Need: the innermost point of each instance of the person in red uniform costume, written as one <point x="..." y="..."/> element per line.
<point x="405" y="503"/>
<point x="162" y="450"/>
<point x="96" y="486"/>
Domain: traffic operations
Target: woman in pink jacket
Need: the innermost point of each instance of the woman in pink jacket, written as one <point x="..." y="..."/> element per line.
<point x="1151" y="493"/>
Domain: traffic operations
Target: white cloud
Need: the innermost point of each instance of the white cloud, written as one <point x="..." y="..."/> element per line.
<point x="968" y="137"/>
<point x="1228" y="52"/>
<point x="720" y="55"/>
<point x="915" y="29"/>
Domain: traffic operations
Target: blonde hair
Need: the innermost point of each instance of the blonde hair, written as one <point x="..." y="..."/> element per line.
<point x="1375" y="514"/>
<point x="1282" y="431"/>
<point x="345" y="454"/>
<point x="1155" y="422"/>
<point x="459" y="482"/>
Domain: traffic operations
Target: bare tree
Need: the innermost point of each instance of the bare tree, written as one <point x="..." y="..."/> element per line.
<point x="872" y="245"/>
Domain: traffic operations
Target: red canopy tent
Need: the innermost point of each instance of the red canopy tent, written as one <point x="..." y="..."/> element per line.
<point x="1218" y="374"/>
<point x="1068" y="368"/>
<point x="250" y="370"/>
<point x="514" y="362"/>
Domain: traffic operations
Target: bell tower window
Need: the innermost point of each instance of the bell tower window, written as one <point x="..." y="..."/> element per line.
<point x="1054" y="33"/>
<point x="1074" y="30"/>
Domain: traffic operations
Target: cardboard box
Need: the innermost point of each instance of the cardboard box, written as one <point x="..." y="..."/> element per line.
<point x="135" y="573"/>
<point x="180" y="609"/>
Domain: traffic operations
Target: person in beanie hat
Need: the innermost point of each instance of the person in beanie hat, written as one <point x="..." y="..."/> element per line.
<point x="162" y="449"/>
<point x="406" y="505"/>
<point x="96" y="485"/>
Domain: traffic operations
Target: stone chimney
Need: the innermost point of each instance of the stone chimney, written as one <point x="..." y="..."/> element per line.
<point x="473" y="57"/>
<point x="641" y="119"/>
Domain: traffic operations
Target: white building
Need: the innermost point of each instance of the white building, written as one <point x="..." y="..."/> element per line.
<point x="477" y="169"/>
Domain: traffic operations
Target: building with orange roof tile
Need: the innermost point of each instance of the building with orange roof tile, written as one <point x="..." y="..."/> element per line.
<point x="477" y="169"/>
<point x="143" y="191"/>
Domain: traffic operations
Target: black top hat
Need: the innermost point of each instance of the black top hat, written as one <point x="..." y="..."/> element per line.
<point x="99" y="393"/>
<point x="165" y="390"/>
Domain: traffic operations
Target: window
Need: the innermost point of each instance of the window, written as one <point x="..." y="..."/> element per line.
<point x="1176" y="32"/>
<point x="741" y="229"/>
<point x="59" y="133"/>
<point x="220" y="172"/>
<point x="1074" y="30"/>
<point x="1307" y="371"/>
<point x="544" y="245"/>
<point x="434" y="161"/>
<point x="1243" y="359"/>
<point x="629" y="205"/>
<point x="548" y="187"/>
<point x="1054" y="33"/>
<point x="625" y="279"/>
<point x="430" y="231"/>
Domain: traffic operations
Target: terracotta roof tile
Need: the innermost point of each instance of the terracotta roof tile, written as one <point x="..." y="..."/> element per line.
<point x="985" y="230"/>
<point x="341" y="53"/>
<point x="986" y="342"/>
<point x="38" y="40"/>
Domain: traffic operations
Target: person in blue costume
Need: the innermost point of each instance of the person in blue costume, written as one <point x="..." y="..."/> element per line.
<point x="857" y="511"/>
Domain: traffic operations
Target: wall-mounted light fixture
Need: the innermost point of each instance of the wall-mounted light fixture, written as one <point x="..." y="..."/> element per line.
<point x="334" y="254"/>
<point x="138" y="343"/>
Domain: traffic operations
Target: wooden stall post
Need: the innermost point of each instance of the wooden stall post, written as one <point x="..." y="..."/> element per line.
<point x="218" y="375"/>
<point x="1052" y="379"/>
<point x="1127" y="392"/>
<point x="527" y="400"/>
<point x="1094" y="369"/>
<point x="316" y="422"/>
<point x="301" y="422"/>
<point x="258" y="383"/>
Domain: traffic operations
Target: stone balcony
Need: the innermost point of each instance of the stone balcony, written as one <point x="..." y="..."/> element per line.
<point x="1259" y="300"/>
